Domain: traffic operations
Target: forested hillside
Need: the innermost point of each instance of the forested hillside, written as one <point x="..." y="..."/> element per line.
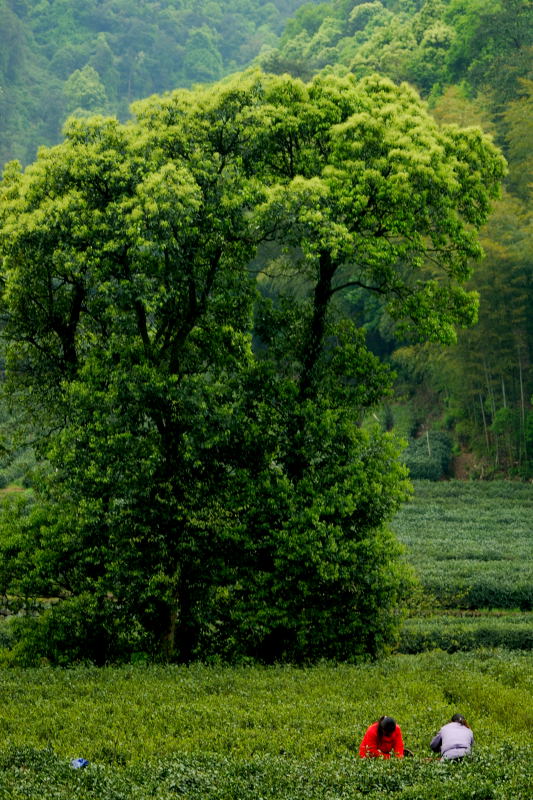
<point x="60" y="56"/>
<point x="430" y="43"/>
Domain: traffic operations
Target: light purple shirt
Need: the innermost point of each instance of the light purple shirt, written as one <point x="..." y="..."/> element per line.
<point x="453" y="740"/>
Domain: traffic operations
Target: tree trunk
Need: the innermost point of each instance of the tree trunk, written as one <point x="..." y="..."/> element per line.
<point x="314" y="342"/>
<point x="317" y="326"/>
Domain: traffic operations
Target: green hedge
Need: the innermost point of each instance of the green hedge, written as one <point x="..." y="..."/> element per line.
<point x="466" y="633"/>
<point x="490" y="588"/>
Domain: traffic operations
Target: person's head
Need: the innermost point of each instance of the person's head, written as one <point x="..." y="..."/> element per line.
<point x="460" y="719"/>
<point x="386" y="726"/>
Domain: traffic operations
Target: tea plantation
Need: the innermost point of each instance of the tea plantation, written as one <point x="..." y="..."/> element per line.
<point x="286" y="733"/>
<point x="252" y="732"/>
<point x="471" y="545"/>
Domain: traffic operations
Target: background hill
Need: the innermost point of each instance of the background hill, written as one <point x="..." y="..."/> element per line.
<point x="99" y="55"/>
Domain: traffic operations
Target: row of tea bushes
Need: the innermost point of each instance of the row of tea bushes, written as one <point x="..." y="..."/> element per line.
<point x="267" y="733"/>
<point x="27" y="774"/>
<point x="465" y="584"/>
<point x="452" y="633"/>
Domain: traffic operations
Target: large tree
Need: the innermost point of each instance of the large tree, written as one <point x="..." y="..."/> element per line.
<point x="211" y="489"/>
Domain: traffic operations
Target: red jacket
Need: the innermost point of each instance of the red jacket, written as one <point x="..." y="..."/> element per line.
<point x="371" y="748"/>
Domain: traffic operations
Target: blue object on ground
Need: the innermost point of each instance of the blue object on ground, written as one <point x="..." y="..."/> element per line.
<point x="77" y="763"/>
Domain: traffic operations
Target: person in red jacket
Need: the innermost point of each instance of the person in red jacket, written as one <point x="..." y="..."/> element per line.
<point x="381" y="739"/>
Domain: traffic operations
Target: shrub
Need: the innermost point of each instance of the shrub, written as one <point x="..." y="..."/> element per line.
<point x="35" y="774"/>
<point x="82" y="629"/>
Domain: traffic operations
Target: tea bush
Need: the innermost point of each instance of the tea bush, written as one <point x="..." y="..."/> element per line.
<point x="209" y="733"/>
<point x="117" y="715"/>
<point x="34" y="775"/>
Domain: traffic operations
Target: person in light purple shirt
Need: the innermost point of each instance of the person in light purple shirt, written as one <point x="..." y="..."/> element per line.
<point x="454" y="740"/>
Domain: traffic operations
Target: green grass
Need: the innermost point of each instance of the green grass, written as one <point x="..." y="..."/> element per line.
<point x="252" y="732"/>
<point x="471" y="544"/>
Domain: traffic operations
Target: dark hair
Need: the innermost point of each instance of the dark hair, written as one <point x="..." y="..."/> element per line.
<point x="459" y="718"/>
<point x="386" y="727"/>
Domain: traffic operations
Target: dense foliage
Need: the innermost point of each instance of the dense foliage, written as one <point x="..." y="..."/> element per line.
<point x="470" y="58"/>
<point x="211" y="490"/>
<point x="29" y="774"/>
<point x="430" y="43"/>
<point x="277" y="732"/>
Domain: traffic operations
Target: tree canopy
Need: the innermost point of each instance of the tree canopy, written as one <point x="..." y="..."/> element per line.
<point x="172" y="319"/>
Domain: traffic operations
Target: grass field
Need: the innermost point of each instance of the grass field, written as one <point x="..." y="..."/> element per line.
<point x="252" y="732"/>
